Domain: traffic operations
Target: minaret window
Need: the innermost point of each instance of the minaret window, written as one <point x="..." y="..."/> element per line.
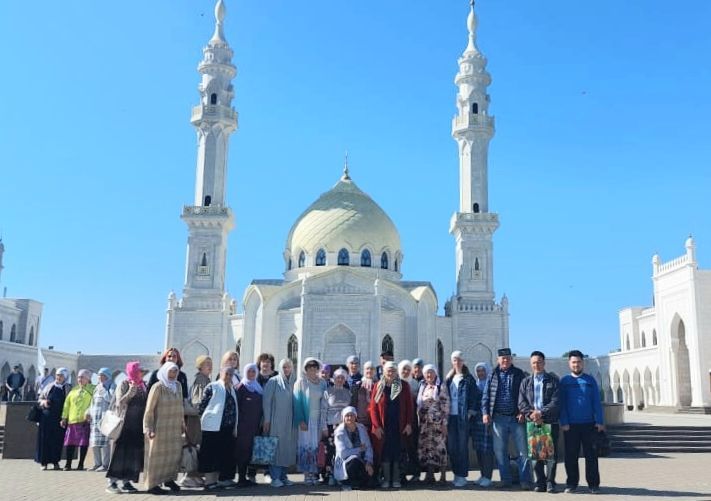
<point x="475" y="208"/>
<point x="204" y="259"/>
<point x="13" y="334"/>
<point x="476" y="264"/>
<point x="343" y="257"/>
<point x="395" y="265"/>
<point x="321" y="258"/>
<point x="475" y="108"/>
<point x="384" y="261"/>
<point x="654" y="335"/>
<point x="288" y="266"/>
<point x="213" y="98"/>
<point x="208" y="200"/>
<point x="365" y="258"/>
<point x="388" y="344"/>
<point x="302" y="259"/>
<point x="292" y="350"/>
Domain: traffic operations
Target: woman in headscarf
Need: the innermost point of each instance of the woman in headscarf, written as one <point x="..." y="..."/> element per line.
<point x="391" y="414"/>
<point x="203" y="364"/>
<point x="412" y="466"/>
<point x="127" y="457"/>
<point x="335" y="399"/>
<point x="219" y="418"/>
<point x="483" y="436"/>
<point x="278" y="409"/>
<point x="171" y="355"/>
<point x="50" y="434"/>
<point x="249" y="400"/>
<point x="361" y="401"/>
<point x="463" y="395"/>
<point x="433" y="412"/>
<point x="75" y="418"/>
<point x="163" y="426"/>
<point x="100" y="446"/>
<point x="326" y="374"/>
<point x="353" y="464"/>
<point x="308" y="395"/>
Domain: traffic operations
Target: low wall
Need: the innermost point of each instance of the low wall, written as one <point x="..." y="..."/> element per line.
<point x="20" y="434"/>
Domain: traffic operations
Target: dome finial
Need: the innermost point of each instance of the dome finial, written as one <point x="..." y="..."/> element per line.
<point x="220" y="11"/>
<point x="471" y="26"/>
<point x="346" y="174"/>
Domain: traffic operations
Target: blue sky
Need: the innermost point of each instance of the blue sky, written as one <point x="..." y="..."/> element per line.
<point x="600" y="159"/>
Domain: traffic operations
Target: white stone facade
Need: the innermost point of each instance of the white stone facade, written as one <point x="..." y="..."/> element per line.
<point x="665" y="356"/>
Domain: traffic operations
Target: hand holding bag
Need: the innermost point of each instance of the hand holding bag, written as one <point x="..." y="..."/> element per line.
<point x="540" y="441"/>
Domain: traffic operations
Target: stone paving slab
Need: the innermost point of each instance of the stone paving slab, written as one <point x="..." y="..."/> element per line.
<point x="675" y="476"/>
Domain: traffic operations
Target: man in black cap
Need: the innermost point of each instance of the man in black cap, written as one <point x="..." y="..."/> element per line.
<point x="499" y="408"/>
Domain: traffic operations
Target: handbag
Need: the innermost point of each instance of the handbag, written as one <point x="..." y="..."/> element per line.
<point x="111" y="424"/>
<point x="540" y="441"/>
<point x="601" y="444"/>
<point x="189" y="459"/>
<point x="35" y="414"/>
<point x="264" y="450"/>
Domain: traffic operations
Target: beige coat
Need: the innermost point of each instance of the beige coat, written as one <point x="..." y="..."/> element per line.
<point x="164" y="416"/>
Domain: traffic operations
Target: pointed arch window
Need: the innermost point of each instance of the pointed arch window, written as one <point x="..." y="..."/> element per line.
<point x="32" y="336"/>
<point x="387" y="344"/>
<point x="475" y="208"/>
<point x="475" y="108"/>
<point x="238" y="347"/>
<point x="384" y="260"/>
<point x="365" y="259"/>
<point x="654" y="337"/>
<point x="395" y="265"/>
<point x="440" y="357"/>
<point x="321" y="258"/>
<point x="288" y="264"/>
<point x="208" y="200"/>
<point x="213" y="98"/>
<point x="644" y="340"/>
<point x="292" y="350"/>
<point x="302" y="259"/>
<point x="627" y="342"/>
<point x="13" y="333"/>
<point x="343" y="257"/>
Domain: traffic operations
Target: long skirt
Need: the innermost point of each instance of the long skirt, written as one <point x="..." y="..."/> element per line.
<point x="127" y="457"/>
<point x="217" y="453"/>
<point x="50" y="436"/>
<point x="432" y="445"/>
<point x="77" y="434"/>
<point x="307" y="453"/>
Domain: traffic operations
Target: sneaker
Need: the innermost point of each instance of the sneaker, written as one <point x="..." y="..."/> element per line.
<point x="477" y="481"/>
<point x="156" y="490"/>
<point x="539" y="488"/>
<point x="397" y="485"/>
<point x="128" y="488"/>
<point x="211" y="487"/>
<point x="594" y="490"/>
<point x="570" y="490"/>
<point x="43" y="467"/>
<point x="112" y="489"/>
<point x="485" y="482"/>
<point x="346" y="488"/>
<point x="286" y="482"/>
<point x="551" y="488"/>
<point x="191" y="482"/>
<point x="95" y="468"/>
<point x="460" y="481"/>
<point x="172" y="486"/>
<point x="227" y="484"/>
<point x="384" y="484"/>
<point x="101" y="469"/>
<point x="276" y="483"/>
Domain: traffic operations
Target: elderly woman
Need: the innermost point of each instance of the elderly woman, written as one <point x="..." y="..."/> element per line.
<point x="391" y="414"/>
<point x="278" y="409"/>
<point x="361" y="399"/>
<point x="171" y="355"/>
<point x="353" y="464"/>
<point x="127" y="457"/>
<point x="163" y="426"/>
<point x="249" y="400"/>
<point x="219" y="415"/>
<point x="50" y="434"/>
<point x="412" y="466"/>
<point x="100" y="446"/>
<point x="335" y="399"/>
<point x="483" y="436"/>
<point x="463" y="394"/>
<point x="193" y="436"/>
<point x="75" y="418"/>
<point x="433" y="413"/>
<point x="308" y="395"/>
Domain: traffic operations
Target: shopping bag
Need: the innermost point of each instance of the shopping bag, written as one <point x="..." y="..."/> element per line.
<point x="264" y="450"/>
<point x="601" y="444"/>
<point x="540" y="441"/>
<point x="111" y="424"/>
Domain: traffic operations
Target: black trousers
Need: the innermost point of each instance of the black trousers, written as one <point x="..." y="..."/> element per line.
<point x="545" y="470"/>
<point x="357" y="474"/>
<point x="577" y="435"/>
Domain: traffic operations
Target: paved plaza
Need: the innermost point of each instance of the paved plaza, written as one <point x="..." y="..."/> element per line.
<point x="679" y="477"/>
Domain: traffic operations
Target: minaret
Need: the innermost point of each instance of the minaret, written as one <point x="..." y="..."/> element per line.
<point x="472" y="128"/>
<point x="199" y="322"/>
<point x="2" y="252"/>
<point x="209" y="219"/>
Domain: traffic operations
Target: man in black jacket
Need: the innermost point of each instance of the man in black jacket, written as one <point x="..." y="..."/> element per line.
<point x="538" y="400"/>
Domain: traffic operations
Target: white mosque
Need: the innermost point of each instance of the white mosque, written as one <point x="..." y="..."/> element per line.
<point x="342" y="291"/>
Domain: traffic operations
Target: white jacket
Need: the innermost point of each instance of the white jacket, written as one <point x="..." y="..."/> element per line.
<point x="211" y="418"/>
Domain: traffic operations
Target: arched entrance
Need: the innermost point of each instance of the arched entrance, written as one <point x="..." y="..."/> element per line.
<point x="339" y="345"/>
<point x="681" y="361"/>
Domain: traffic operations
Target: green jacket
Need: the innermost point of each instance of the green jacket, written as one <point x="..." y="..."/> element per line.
<point x="76" y="406"/>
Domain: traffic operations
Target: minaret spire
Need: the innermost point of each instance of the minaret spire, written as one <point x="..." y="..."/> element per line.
<point x="346" y="173"/>
<point x="220" y="11"/>
<point x="471" y="25"/>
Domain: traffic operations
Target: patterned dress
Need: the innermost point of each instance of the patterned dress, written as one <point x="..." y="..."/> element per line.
<point x="164" y="416"/>
<point x="433" y="412"/>
<point x="99" y="404"/>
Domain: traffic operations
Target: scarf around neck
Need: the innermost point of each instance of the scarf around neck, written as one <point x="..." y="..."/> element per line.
<point x="396" y="388"/>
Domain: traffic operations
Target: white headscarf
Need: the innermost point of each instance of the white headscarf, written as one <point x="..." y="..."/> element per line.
<point x="340" y="372"/>
<point x="172" y="385"/>
<point x="252" y="385"/>
<point x="64" y="372"/>
<point x="424" y="383"/>
<point x="402" y="365"/>
<point x="481" y="383"/>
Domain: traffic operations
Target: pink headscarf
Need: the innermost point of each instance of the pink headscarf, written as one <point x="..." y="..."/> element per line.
<point x="133" y="371"/>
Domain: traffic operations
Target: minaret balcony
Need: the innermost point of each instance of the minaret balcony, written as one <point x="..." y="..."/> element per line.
<point x="474" y="123"/>
<point x="213" y="113"/>
<point x="474" y="223"/>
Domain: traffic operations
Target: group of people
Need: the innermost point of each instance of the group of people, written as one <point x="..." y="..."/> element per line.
<point x="387" y="425"/>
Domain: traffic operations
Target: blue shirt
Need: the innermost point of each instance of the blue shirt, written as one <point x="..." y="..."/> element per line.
<point x="505" y="404"/>
<point x="538" y="391"/>
<point x="580" y="400"/>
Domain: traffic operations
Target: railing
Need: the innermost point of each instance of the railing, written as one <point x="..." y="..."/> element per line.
<point x="472" y="120"/>
<point x="673" y="264"/>
<point x="213" y="112"/>
<point x="198" y="210"/>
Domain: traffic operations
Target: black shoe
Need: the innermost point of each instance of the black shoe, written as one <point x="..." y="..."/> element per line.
<point x="594" y="490"/>
<point x="172" y="486"/>
<point x="156" y="490"/>
<point x="56" y="466"/>
<point x="68" y="467"/>
<point x="128" y="488"/>
<point x="571" y="489"/>
<point x="550" y="488"/>
<point x="539" y="488"/>
<point x="243" y="482"/>
<point x="113" y="489"/>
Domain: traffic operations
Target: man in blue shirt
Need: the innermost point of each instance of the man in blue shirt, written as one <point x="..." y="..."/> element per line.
<point x="499" y="409"/>
<point x="538" y="400"/>
<point x="580" y="419"/>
